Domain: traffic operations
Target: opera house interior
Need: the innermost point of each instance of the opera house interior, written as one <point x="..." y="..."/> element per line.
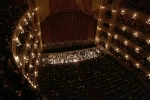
<point x="74" y="49"/>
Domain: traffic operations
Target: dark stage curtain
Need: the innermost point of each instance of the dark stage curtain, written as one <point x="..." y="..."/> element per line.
<point x="66" y="26"/>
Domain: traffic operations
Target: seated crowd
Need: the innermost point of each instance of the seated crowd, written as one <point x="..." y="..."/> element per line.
<point x="132" y="52"/>
<point x="137" y="24"/>
<point x="138" y="5"/>
<point x="110" y="79"/>
<point x="132" y="37"/>
<point x="62" y="82"/>
<point x="69" y="43"/>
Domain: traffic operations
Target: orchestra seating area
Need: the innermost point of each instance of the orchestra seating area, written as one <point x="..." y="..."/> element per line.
<point x="61" y="82"/>
<point x="108" y="78"/>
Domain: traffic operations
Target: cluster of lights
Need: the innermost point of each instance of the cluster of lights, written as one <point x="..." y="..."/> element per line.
<point x="117" y="50"/>
<point x="26" y="76"/>
<point x="126" y="42"/>
<point x="26" y="59"/>
<point x="148" y="41"/>
<point x="148" y="75"/>
<point x="148" y="58"/>
<point x="102" y="7"/>
<point x="137" y="50"/>
<point x="135" y="34"/>
<point x="113" y="10"/>
<point x="148" y="21"/>
<point x="137" y="65"/>
<point x="106" y="45"/>
<point x="115" y="36"/>
<point x="98" y="28"/>
<point x="134" y="16"/>
<point x="69" y="57"/>
<point x="124" y="28"/>
<point x="122" y="12"/>
<point x="126" y="56"/>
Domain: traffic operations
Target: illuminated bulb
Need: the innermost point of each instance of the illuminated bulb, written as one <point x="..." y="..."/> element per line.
<point x="135" y="34"/>
<point x="37" y="61"/>
<point x="16" y="39"/>
<point x="134" y="16"/>
<point x="24" y="19"/>
<point x="124" y="28"/>
<point x="126" y="56"/>
<point x="113" y="10"/>
<point x="17" y="58"/>
<point x="102" y="7"/>
<point x="25" y="58"/>
<point x="117" y="49"/>
<point x="31" y="66"/>
<point x="27" y="45"/>
<point x="125" y="42"/>
<point x="122" y="12"/>
<point x="28" y="14"/>
<point x="97" y="39"/>
<point x="33" y="14"/>
<point x="115" y="36"/>
<point x="99" y="28"/>
<point x="148" y="41"/>
<point x="39" y="33"/>
<point x="20" y="27"/>
<point x="137" y="50"/>
<point x="36" y="8"/>
<point x="148" y="58"/>
<point x="106" y="46"/>
<point x="109" y="34"/>
<point x="137" y="65"/>
<point x="100" y="19"/>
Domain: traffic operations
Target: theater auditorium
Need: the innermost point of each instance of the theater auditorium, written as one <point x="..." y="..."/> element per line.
<point x="74" y="49"/>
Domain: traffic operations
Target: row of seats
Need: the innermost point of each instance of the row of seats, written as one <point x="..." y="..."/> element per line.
<point x="108" y="77"/>
<point x="138" y="5"/>
<point x="135" y="54"/>
<point x="61" y="82"/>
<point x="137" y="24"/>
<point x="133" y="38"/>
<point x="112" y="80"/>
